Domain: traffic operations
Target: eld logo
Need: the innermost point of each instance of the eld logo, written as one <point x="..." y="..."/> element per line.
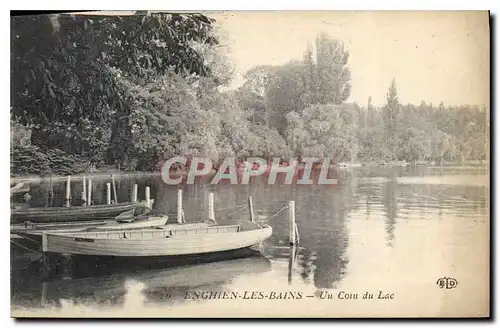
<point x="447" y="282"/>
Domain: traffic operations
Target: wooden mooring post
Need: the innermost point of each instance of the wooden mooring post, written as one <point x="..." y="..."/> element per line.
<point x="292" y="225"/>
<point x="108" y="193"/>
<point x="179" y="205"/>
<point x="68" y="191"/>
<point x="115" y="196"/>
<point x="134" y="194"/>
<point x="51" y="192"/>
<point x="291" y="263"/>
<point x="250" y="208"/>
<point x="211" y="210"/>
<point x="84" y="191"/>
<point x="89" y="196"/>
<point x="148" y="196"/>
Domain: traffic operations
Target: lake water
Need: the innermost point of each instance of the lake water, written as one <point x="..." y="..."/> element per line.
<point x="389" y="232"/>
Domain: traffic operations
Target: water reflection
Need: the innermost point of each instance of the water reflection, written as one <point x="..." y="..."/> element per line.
<point x="390" y="202"/>
<point x="165" y="285"/>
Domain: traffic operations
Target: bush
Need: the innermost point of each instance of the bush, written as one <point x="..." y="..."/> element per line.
<point x="30" y="160"/>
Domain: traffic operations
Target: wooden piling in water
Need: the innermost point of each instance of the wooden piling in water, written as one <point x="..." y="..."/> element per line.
<point x="134" y="194"/>
<point x="148" y="197"/>
<point x="68" y="191"/>
<point x="211" y="211"/>
<point x="179" y="205"/>
<point x="84" y="192"/>
<point x="291" y="218"/>
<point x="108" y="193"/>
<point x="250" y="208"/>
<point x="291" y="263"/>
<point x="89" y="197"/>
<point x="297" y="236"/>
<point x="115" y="196"/>
<point x="51" y="192"/>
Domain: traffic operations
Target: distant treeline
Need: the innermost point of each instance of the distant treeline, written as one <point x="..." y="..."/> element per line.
<point x="133" y="90"/>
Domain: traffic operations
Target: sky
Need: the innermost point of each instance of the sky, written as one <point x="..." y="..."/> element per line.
<point x="433" y="56"/>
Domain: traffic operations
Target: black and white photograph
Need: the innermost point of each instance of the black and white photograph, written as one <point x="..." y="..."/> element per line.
<point x="250" y="164"/>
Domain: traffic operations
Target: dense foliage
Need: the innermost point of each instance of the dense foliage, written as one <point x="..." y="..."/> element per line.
<point x="133" y="90"/>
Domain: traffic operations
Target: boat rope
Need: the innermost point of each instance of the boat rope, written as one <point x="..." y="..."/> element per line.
<point x="27" y="248"/>
<point x="234" y="212"/>
<point x="230" y="208"/>
<point x="277" y="213"/>
<point x="216" y="210"/>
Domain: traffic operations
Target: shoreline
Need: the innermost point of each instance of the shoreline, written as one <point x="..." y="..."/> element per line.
<point x="79" y="177"/>
<point x="33" y="178"/>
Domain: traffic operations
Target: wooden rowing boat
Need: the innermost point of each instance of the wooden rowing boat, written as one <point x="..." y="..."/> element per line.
<point x="19" y="188"/>
<point x="106" y="225"/>
<point x="64" y="214"/>
<point x="170" y="240"/>
<point x="30" y="234"/>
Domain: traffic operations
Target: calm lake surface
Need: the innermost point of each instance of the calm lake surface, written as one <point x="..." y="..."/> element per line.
<point x="385" y="231"/>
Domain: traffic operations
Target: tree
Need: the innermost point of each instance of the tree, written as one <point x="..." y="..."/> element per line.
<point x="252" y="95"/>
<point x="333" y="74"/>
<point x="320" y="78"/>
<point x="390" y="116"/>
<point x="323" y="131"/>
<point x="67" y="71"/>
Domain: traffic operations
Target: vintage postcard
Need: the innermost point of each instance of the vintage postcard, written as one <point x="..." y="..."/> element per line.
<point x="289" y="164"/>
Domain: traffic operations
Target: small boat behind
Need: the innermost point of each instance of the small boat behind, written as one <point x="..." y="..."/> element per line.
<point x="65" y="214"/>
<point x="138" y="217"/>
<point x="19" y="188"/>
<point x="169" y="240"/>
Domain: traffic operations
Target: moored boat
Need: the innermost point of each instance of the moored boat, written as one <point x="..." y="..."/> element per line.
<point x="140" y="217"/>
<point x="169" y="240"/>
<point x="106" y="225"/>
<point x="19" y="188"/>
<point x="74" y="213"/>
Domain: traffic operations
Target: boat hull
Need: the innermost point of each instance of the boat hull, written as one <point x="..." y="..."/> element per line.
<point x="64" y="214"/>
<point x="32" y="237"/>
<point x="156" y="243"/>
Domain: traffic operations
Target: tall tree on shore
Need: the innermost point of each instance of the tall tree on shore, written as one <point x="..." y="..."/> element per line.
<point x="334" y="75"/>
<point x="310" y="78"/>
<point x="390" y="115"/>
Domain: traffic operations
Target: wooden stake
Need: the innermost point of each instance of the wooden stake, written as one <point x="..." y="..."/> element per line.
<point x="51" y="192"/>
<point x="44" y="241"/>
<point x="148" y="197"/>
<point x="291" y="263"/>
<point x="68" y="192"/>
<point x="108" y="193"/>
<point x="84" y="192"/>
<point x="250" y="208"/>
<point x="179" y="205"/>
<point x="134" y="194"/>
<point x="291" y="217"/>
<point x="211" y="211"/>
<point x="89" y="197"/>
<point x="114" y="189"/>
<point x="297" y="236"/>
